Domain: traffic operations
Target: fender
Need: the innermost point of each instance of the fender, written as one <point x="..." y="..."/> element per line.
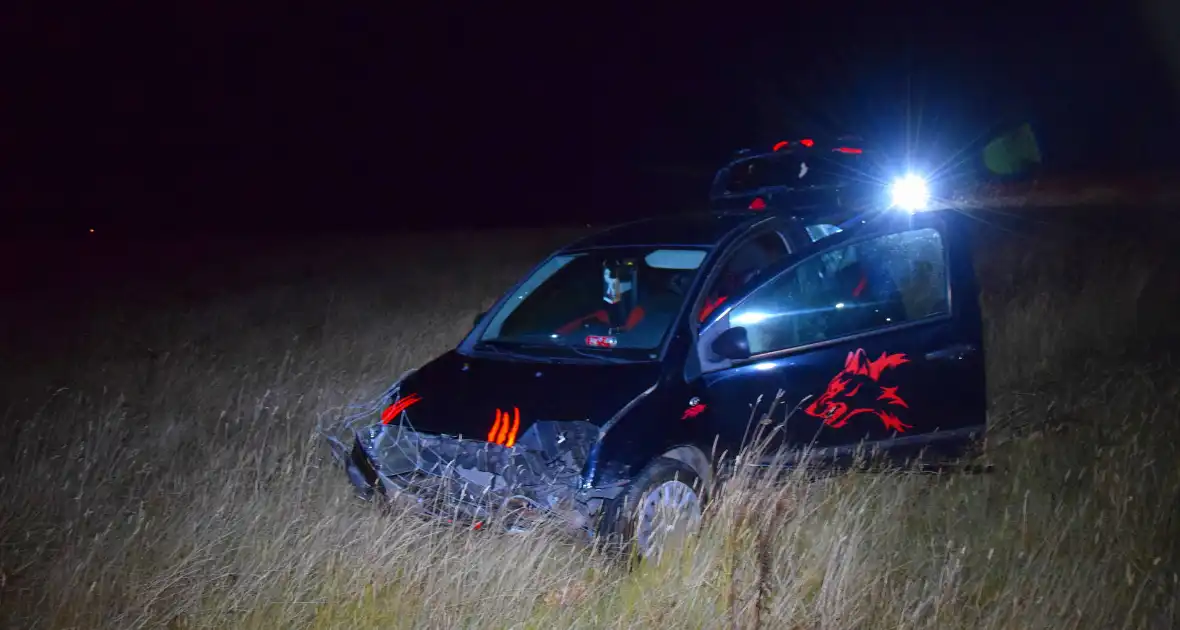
<point x="592" y="471"/>
<point x="641" y="431"/>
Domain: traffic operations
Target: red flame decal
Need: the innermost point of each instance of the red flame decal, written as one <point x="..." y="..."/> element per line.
<point x="505" y="428"/>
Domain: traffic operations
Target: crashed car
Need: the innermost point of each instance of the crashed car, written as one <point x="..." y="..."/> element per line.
<point x="811" y="174"/>
<point x="618" y="377"/>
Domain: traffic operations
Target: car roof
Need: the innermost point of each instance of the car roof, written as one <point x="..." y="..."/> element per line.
<point x="710" y="229"/>
<point x="702" y="229"/>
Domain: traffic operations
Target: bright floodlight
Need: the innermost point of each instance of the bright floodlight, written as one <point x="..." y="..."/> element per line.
<point x="910" y="193"/>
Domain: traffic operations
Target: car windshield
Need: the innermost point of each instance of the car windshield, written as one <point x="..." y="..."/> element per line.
<point x="812" y="168"/>
<point x="605" y="300"/>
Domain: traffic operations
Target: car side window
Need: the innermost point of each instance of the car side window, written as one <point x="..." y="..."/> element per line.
<point x="821" y="230"/>
<point x="743" y="267"/>
<point x="870" y="284"/>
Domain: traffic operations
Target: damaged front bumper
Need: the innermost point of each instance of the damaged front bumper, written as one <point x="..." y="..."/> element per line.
<point x="478" y="483"/>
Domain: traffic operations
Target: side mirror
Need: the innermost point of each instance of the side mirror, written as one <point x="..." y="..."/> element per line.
<point x="733" y="344"/>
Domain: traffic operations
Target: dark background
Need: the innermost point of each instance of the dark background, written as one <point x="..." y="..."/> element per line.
<point x="220" y="117"/>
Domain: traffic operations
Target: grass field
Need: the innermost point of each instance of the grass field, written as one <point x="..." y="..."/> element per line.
<point x="159" y="466"/>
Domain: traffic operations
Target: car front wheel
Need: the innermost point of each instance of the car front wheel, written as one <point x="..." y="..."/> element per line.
<point x="659" y="508"/>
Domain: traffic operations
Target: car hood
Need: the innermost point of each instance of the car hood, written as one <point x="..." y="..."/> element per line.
<point x="461" y="395"/>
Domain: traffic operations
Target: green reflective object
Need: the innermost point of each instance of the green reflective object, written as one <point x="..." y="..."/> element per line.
<point x="1013" y="152"/>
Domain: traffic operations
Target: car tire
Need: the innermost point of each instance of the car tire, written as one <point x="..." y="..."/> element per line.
<point x="635" y="520"/>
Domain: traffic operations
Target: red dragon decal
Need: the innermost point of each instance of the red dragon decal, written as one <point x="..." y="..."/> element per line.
<point x="856" y="390"/>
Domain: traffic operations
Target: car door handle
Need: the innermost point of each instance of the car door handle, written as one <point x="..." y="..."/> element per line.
<point x="951" y="353"/>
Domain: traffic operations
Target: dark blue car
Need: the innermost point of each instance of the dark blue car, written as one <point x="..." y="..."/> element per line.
<point x="622" y="373"/>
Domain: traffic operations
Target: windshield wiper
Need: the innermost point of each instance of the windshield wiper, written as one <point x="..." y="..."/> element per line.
<point x="605" y="358"/>
<point x="485" y="346"/>
<point x="601" y="357"/>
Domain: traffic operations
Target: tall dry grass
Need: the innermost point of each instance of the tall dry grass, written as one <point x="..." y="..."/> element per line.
<point x="165" y="472"/>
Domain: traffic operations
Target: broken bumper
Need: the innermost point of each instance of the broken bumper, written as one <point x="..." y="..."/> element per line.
<point x="476" y="482"/>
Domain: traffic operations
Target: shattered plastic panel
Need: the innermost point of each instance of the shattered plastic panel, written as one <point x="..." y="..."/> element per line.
<point x="537" y="478"/>
<point x="453" y="477"/>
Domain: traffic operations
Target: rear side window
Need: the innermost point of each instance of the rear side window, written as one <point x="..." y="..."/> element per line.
<point x="871" y="284"/>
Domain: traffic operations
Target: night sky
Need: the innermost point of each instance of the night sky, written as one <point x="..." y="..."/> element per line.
<point x="221" y="117"/>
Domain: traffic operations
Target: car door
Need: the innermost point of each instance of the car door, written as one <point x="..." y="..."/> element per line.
<point x="744" y="263"/>
<point x="873" y="339"/>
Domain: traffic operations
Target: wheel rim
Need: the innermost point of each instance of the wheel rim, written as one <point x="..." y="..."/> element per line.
<point x="666" y="513"/>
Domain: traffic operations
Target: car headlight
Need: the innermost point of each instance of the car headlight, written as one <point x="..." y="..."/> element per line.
<point x="910" y="193"/>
